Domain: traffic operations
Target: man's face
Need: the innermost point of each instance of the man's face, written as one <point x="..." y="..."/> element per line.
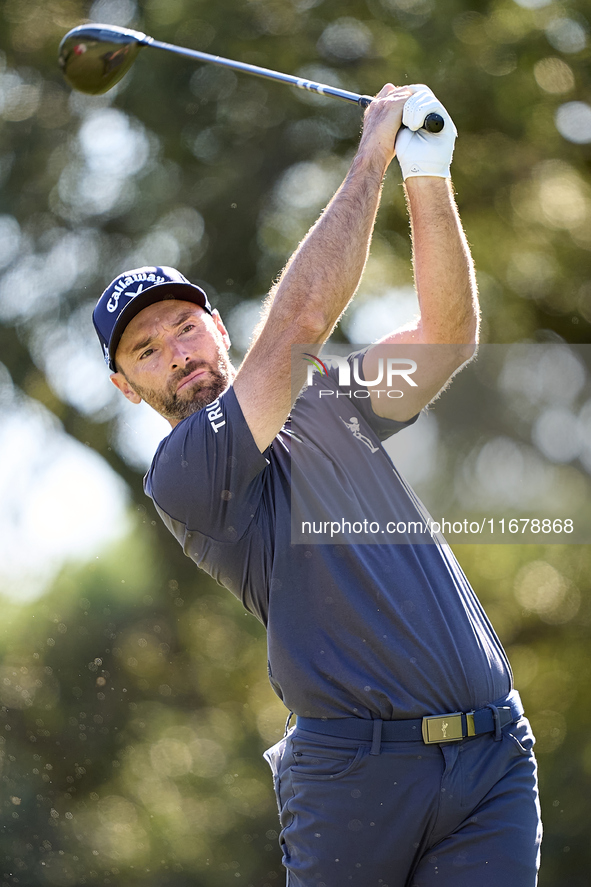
<point x="174" y="356"/>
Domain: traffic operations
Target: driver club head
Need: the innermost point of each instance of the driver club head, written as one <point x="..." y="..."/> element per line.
<point x="93" y="58"/>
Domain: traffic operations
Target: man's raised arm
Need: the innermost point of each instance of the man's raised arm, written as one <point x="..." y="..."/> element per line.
<point x="321" y="277"/>
<point x="446" y="330"/>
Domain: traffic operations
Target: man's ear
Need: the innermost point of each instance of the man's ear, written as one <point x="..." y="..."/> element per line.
<point x="222" y="329"/>
<point x="120" y="382"/>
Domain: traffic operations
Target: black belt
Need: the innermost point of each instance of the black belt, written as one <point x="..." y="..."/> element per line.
<point x="451" y="727"/>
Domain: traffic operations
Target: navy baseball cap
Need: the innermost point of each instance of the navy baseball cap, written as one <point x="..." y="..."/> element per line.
<point x="133" y="291"/>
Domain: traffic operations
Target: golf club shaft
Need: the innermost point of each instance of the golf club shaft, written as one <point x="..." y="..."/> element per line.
<point x="432" y="122"/>
<point x="300" y="82"/>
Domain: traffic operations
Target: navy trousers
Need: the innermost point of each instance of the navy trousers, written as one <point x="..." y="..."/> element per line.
<point x="461" y="814"/>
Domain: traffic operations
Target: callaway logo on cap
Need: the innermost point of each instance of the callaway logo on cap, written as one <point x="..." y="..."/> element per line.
<point x="133" y="291"/>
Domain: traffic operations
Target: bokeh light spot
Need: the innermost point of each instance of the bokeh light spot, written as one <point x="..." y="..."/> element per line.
<point x="573" y="122"/>
<point x="554" y="75"/>
<point x="566" y="34"/>
<point x="346" y="39"/>
<point x="542" y="589"/>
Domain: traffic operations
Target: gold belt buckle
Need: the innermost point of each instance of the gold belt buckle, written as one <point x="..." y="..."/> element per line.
<point x="447" y="728"/>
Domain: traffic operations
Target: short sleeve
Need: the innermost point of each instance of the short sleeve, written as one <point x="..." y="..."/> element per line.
<point x="208" y="474"/>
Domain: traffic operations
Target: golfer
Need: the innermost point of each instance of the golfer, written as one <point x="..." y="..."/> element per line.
<point x="410" y="763"/>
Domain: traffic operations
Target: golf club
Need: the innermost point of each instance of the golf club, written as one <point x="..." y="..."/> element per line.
<point x="94" y="58"/>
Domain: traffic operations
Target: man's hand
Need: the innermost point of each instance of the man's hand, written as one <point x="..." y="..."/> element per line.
<point x="422" y="153"/>
<point x="382" y="122"/>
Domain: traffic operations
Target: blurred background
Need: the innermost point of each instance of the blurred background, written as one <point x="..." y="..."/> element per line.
<point x="134" y="699"/>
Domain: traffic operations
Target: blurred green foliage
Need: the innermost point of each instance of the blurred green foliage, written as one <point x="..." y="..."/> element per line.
<point x="134" y="700"/>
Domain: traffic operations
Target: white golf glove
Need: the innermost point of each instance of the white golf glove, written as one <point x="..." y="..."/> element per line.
<point x="422" y="153"/>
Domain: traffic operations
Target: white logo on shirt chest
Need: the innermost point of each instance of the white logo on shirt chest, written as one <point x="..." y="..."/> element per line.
<point x="354" y="428"/>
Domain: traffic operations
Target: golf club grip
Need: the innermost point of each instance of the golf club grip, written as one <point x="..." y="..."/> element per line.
<point x="433" y="122"/>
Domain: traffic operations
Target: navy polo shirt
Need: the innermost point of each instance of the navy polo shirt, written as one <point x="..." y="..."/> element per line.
<point x="375" y="629"/>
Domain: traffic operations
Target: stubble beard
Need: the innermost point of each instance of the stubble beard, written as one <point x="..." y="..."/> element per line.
<point x="175" y="405"/>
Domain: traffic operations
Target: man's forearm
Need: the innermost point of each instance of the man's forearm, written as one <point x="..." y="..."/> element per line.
<point x="443" y="268"/>
<point x="324" y="272"/>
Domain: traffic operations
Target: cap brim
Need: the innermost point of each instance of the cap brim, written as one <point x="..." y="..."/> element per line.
<point x="185" y="292"/>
